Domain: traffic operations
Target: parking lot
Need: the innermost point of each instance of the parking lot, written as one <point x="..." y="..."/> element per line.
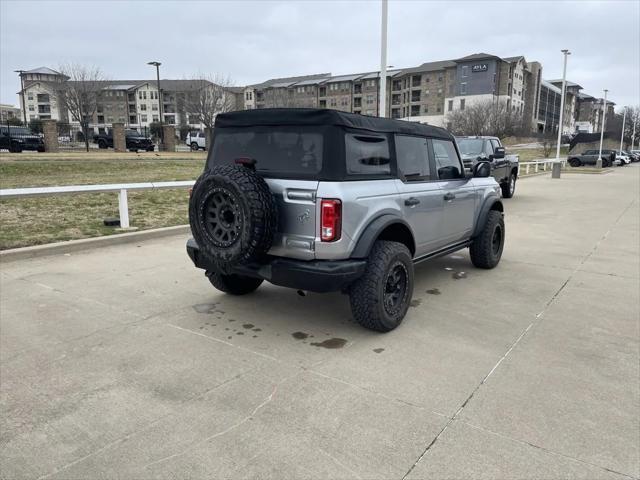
<point x="123" y="362"/>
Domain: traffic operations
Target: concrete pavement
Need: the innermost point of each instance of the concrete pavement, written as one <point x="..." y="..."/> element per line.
<point x="123" y="362"/>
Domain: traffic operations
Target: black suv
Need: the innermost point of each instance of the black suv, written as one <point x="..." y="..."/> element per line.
<point x="17" y="139"/>
<point x="134" y="141"/>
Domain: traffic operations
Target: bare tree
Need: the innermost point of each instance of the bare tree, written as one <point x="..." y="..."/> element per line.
<point x="279" y="97"/>
<point x="79" y="95"/>
<point x="209" y="95"/>
<point x="486" y="118"/>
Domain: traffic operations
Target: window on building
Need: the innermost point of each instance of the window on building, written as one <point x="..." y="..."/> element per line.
<point x="463" y="88"/>
<point x="30" y="96"/>
<point x="109" y="119"/>
<point x="132" y="119"/>
<point x="415" y="96"/>
<point x="370" y="99"/>
<point x="31" y="108"/>
<point x="397" y="85"/>
<point x="439" y="109"/>
<point x="100" y="118"/>
<point x="170" y="119"/>
<point x="447" y="161"/>
<point x="322" y="91"/>
<point x="334" y="102"/>
<point x="155" y="118"/>
<point x="427" y="80"/>
<point x="194" y="119"/>
<point x="367" y="154"/>
<point x="323" y="104"/>
<point x="426" y="109"/>
<point x="462" y="104"/>
<point x="415" y="110"/>
<point x="395" y="99"/>
<point x="154" y="107"/>
<point x="143" y="107"/>
<point x="465" y="70"/>
<point x="413" y="158"/>
<point x="143" y="118"/>
<point x="144" y="94"/>
<point x="344" y="101"/>
<point x="357" y="88"/>
<point x="357" y="102"/>
<point x="439" y="78"/>
<point x="450" y="106"/>
<point x="43" y="98"/>
<point x="415" y="80"/>
<point x="44" y="108"/>
<point x="395" y="113"/>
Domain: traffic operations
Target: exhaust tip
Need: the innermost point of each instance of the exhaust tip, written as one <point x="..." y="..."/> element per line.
<point x="302" y="293"/>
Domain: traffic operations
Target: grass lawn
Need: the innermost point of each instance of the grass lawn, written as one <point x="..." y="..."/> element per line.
<point x="529" y="154"/>
<point x="33" y="221"/>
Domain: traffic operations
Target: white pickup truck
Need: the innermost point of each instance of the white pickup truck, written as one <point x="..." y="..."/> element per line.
<point x="196" y="140"/>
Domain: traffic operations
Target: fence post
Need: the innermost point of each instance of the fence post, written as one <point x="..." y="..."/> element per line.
<point x="119" y="140"/>
<point x="123" y="208"/>
<point x="50" y="130"/>
<point x="544" y="166"/>
<point x="536" y="168"/>
<point x="527" y="169"/>
<point x="168" y="138"/>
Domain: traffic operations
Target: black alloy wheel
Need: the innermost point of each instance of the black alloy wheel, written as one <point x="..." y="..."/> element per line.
<point x="223" y="218"/>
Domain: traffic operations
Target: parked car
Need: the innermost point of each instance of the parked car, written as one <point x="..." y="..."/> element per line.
<point x="637" y="155"/>
<point x="622" y="158"/>
<point x="134" y="141"/>
<point x="589" y="157"/>
<point x="504" y="168"/>
<point x="322" y="200"/>
<point x="17" y="139"/>
<point x="633" y="157"/>
<point x="196" y="140"/>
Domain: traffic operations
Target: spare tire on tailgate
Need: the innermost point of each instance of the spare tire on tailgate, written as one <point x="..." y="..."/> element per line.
<point x="232" y="215"/>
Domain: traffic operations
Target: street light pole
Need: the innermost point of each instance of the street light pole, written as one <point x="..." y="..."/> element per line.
<point x="562" y="95"/>
<point x="382" y="112"/>
<point x="157" y="65"/>
<point x="624" y="118"/>
<point x="604" y="117"/>
<point x="633" y="135"/>
<point x="24" y="106"/>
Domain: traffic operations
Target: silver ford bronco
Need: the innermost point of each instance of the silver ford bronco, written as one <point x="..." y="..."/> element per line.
<point x="321" y="200"/>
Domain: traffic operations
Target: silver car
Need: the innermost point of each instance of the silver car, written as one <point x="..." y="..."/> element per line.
<point x="322" y="200"/>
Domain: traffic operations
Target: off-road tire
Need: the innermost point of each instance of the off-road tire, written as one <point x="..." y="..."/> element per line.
<point x="575" y="162"/>
<point x="483" y="251"/>
<point x="194" y="147"/>
<point x="102" y="144"/>
<point x="367" y="294"/>
<point x="15" y="147"/>
<point x="509" y="188"/>
<point x="233" y="284"/>
<point x="233" y="216"/>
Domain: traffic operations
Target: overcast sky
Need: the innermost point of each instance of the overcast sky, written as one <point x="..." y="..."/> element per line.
<point x="252" y="41"/>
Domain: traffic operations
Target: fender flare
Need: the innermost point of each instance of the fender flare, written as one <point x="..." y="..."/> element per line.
<point x="373" y="231"/>
<point x="491" y="203"/>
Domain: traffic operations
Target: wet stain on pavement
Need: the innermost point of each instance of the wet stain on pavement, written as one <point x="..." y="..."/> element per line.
<point x="331" y="343"/>
<point x="433" y="291"/>
<point x="299" y="335"/>
<point x="378" y="350"/>
<point x="232" y="319"/>
<point x="240" y="333"/>
<point x="248" y="326"/>
<point x="459" y="275"/>
<point x="415" y="303"/>
<point x="208" y="308"/>
<point x="257" y="329"/>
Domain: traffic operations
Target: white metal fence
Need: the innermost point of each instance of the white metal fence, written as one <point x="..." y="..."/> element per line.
<point x="535" y="166"/>
<point x="120" y="188"/>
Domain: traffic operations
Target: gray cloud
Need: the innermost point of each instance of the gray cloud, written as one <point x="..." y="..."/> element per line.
<point x="255" y="40"/>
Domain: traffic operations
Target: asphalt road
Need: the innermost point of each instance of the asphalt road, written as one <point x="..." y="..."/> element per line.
<point x="123" y="362"/>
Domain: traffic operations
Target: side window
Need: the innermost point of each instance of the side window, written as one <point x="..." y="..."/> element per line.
<point x="412" y="157"/>
<point x="367" y="154"/>
<point x="488" y="148"/>
<point x="447" y="161"/>
<point x="494" y="144"/>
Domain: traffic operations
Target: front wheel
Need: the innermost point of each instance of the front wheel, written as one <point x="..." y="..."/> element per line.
<point x="233" y="284"/>
<point x="509" y="188"/>
<point x="574" y="162"/>
<point x="486" y="249"/>
<point x="102" y="144"/>
<point x="194" y="147"/>
<point x="15" y="147"/>
<point x="380" y="298"/>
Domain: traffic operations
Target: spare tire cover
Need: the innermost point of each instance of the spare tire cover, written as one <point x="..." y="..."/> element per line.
<point x="232" y="215"/>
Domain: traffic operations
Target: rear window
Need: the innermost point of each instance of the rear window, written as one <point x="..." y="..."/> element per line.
<point x="289" y="150"/>
<point x="367" y="154"/>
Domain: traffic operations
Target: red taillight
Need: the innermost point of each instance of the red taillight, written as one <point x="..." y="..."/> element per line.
<point x="330" y="220"/>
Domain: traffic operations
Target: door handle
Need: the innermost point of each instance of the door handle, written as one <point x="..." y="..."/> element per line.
<point x="411" y="202"/>
<point x="449" y="196"/>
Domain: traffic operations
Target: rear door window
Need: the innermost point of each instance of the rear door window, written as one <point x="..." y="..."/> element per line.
<point x="447" y="161"/>
<point x="283" y="150"/>
<point x="367" y="154"/>
<point x="412" y="157"/>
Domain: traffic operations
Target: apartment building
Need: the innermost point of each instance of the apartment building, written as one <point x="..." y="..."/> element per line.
<point x="9" y="112"/>
<point x="427" y="93"/>
<point x="590" y="113"/>
<point x="136" y="103"/>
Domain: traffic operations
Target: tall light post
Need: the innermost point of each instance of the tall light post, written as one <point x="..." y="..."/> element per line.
<point x="633" y="135"/>
<point x="157" y="65"/>
<point x="604" y="117"/>
<point x="382" y="112"/>
<point x="562" y="95"/>
<point x="24" y="106"/>
<point x="624" y="118"/>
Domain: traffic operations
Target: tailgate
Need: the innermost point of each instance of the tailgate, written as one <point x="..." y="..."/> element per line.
<point x="297" y="213"/>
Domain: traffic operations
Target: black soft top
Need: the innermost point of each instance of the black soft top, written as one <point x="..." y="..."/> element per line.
<point x="322" y="116"/>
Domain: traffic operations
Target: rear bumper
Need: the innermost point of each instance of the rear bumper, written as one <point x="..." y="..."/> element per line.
<point x="314" y="276"/>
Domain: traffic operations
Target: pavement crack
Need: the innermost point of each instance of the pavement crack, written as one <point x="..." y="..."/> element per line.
<point x="232" y="427"/>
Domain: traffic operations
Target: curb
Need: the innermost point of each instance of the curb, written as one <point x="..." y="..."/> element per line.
<point x="36" y="251"/>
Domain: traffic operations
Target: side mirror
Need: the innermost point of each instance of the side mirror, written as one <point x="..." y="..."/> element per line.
<point x="499" y="152"/>
<point x="481" y="170"/>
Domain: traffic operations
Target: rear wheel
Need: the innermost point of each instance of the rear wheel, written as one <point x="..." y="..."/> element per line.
<point x="15" y="147"/>
<point x="194" y="147"/>
<point x="486" y="249"/>
<point x="380" y="298"/>
<point x="233" y="284"/>
<point x="509" y="188"/>
<point x="102" y="144"/>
